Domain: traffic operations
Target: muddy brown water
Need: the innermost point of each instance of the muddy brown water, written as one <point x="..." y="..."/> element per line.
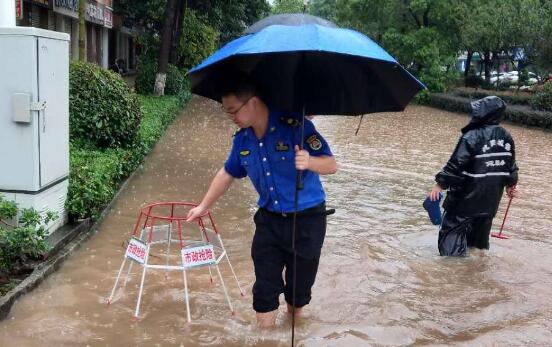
<point x="380" y="283"/>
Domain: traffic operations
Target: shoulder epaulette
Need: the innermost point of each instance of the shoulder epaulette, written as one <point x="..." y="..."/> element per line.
<point x="290" y="121"/>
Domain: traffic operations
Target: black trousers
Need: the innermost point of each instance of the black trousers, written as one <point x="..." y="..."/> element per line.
<point x="271" y="251"/>
<point x="457" y="233"/>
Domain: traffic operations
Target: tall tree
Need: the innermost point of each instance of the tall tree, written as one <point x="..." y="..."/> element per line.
<point x="177" y="30"/>
<point x="543" y="48"/>
<point x="164" y="50"/>
<point x="484" y="30"/>
<point x="82" y="30"/>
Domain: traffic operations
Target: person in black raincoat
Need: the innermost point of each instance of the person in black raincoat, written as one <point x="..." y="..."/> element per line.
<point x="482" y="164"/>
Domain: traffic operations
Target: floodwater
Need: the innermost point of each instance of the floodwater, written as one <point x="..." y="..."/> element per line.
<point x="380" y="283"/>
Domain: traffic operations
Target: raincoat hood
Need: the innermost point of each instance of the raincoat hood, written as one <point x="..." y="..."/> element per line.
<point x="486" y="111"/>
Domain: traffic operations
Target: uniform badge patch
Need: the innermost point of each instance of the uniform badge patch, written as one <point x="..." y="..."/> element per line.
<point x="281" y="146"/>
<point x="244" y="153"/>
<point x="314" y="143"/>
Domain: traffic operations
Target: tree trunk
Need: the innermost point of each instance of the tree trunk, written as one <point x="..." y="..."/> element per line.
<point x="82" y="30"/>
<point x="166" y="39"/>
<point x="468" y="63"/>
<point x="487" y="62"/>
<point x="177" y="32"/>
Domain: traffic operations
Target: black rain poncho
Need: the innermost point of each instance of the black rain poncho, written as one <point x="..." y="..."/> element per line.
<point x="482" y="164"/>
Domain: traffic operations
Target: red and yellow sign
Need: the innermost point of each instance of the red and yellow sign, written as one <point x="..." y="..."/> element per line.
<point x="19" y="9"/>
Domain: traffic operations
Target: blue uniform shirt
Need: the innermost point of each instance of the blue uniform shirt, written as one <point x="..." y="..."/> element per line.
<point x="270" y="163"/>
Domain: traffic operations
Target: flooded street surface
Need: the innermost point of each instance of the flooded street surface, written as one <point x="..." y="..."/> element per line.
<point x="380" y="283"/>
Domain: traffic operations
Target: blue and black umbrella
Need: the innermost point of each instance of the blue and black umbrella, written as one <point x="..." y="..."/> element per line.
<point x="318" y="69"/>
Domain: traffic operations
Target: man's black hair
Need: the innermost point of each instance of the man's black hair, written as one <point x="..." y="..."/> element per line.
<point x="237" y="83"/>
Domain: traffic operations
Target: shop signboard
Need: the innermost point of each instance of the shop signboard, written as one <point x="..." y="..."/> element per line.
<point x="67" y="7"/>
<point x="95" y="12"/>
<point x="108" y="17"/>
<point x="45" y="3"/>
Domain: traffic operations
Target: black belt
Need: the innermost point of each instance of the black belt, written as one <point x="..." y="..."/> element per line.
<point x="316" y="210"/>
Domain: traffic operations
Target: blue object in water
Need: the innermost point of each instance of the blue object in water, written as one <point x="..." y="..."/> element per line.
<point x="433" y="208"/>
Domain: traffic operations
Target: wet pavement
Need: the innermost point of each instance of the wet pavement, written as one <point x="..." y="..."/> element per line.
<point x="380" y="283"/>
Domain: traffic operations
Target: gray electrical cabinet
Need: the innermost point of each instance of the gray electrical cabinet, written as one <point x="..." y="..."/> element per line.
<point x="34" y="118"/>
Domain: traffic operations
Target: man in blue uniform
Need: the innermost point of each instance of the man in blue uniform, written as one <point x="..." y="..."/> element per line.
<point x="266" y="149"/>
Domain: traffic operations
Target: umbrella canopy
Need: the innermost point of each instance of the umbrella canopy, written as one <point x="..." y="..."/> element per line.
<point x="315" y="68"/>
<point x="288" y="19"/>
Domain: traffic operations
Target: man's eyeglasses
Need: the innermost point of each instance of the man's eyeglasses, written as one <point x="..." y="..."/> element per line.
<point x="234" y="113"/>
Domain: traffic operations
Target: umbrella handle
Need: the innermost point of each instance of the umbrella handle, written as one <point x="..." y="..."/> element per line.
<point x="299" y="180"/>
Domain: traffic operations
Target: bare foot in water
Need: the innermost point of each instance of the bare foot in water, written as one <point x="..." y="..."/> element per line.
<point x="297" y="310"/>
<point x="266" y="319"/>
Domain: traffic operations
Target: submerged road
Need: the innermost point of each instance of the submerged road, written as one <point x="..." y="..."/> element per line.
<point x="380" y="283"/>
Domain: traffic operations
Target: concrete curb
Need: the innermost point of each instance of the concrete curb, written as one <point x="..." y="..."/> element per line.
<point x="61" y="250"/>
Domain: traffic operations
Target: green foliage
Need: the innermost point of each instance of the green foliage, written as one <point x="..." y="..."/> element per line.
<point x="198" y="41"/>
<point x="147" y="14"/>
<point x="145" y="78"/>
<point x="287" y="6"/>
<point x="24" y="240"/>
<point x="428" y="54"/>
<point x="543" y="100"/>
<point x="102" y="109"/>
<point x="145" y="75"/>
<point x="93" y="179"/>
<point x="176" y="82"/>
<point x="327" y="9"/>
<point x="230" y="18"/>
<point x="523" y="77"/>
<point x="543" y="48"/>
<point x="95" y="174"/>
<point x="422" y="97"/>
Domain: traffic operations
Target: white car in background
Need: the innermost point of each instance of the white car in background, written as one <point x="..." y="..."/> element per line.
<point x="513" y="77"/>
<point x="502" y="77"/>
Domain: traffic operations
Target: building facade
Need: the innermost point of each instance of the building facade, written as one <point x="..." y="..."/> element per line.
<point x="107" y="41"/>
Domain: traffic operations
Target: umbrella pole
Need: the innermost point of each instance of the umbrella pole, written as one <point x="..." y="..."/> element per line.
<point x="298" y="186"/>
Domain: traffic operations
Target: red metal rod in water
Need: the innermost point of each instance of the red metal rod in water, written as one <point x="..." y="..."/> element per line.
<point x="499" y="235"/>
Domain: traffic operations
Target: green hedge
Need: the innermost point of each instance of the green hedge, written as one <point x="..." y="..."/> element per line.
<point x="514" y="113"/>
<point x="510" y="98"/>
<point x="543" y="100"/>
<point x="93" y="179"/>
<point x="102" y="109"/>
<point x="175" y="84"/>
<point x="95" y="173"/>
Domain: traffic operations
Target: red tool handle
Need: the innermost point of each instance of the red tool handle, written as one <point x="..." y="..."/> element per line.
<point x="505" y="215"/>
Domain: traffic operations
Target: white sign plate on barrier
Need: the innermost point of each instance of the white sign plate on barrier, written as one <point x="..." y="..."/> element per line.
<point x="136" y="250"/>
<point x="198" y="255"/>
